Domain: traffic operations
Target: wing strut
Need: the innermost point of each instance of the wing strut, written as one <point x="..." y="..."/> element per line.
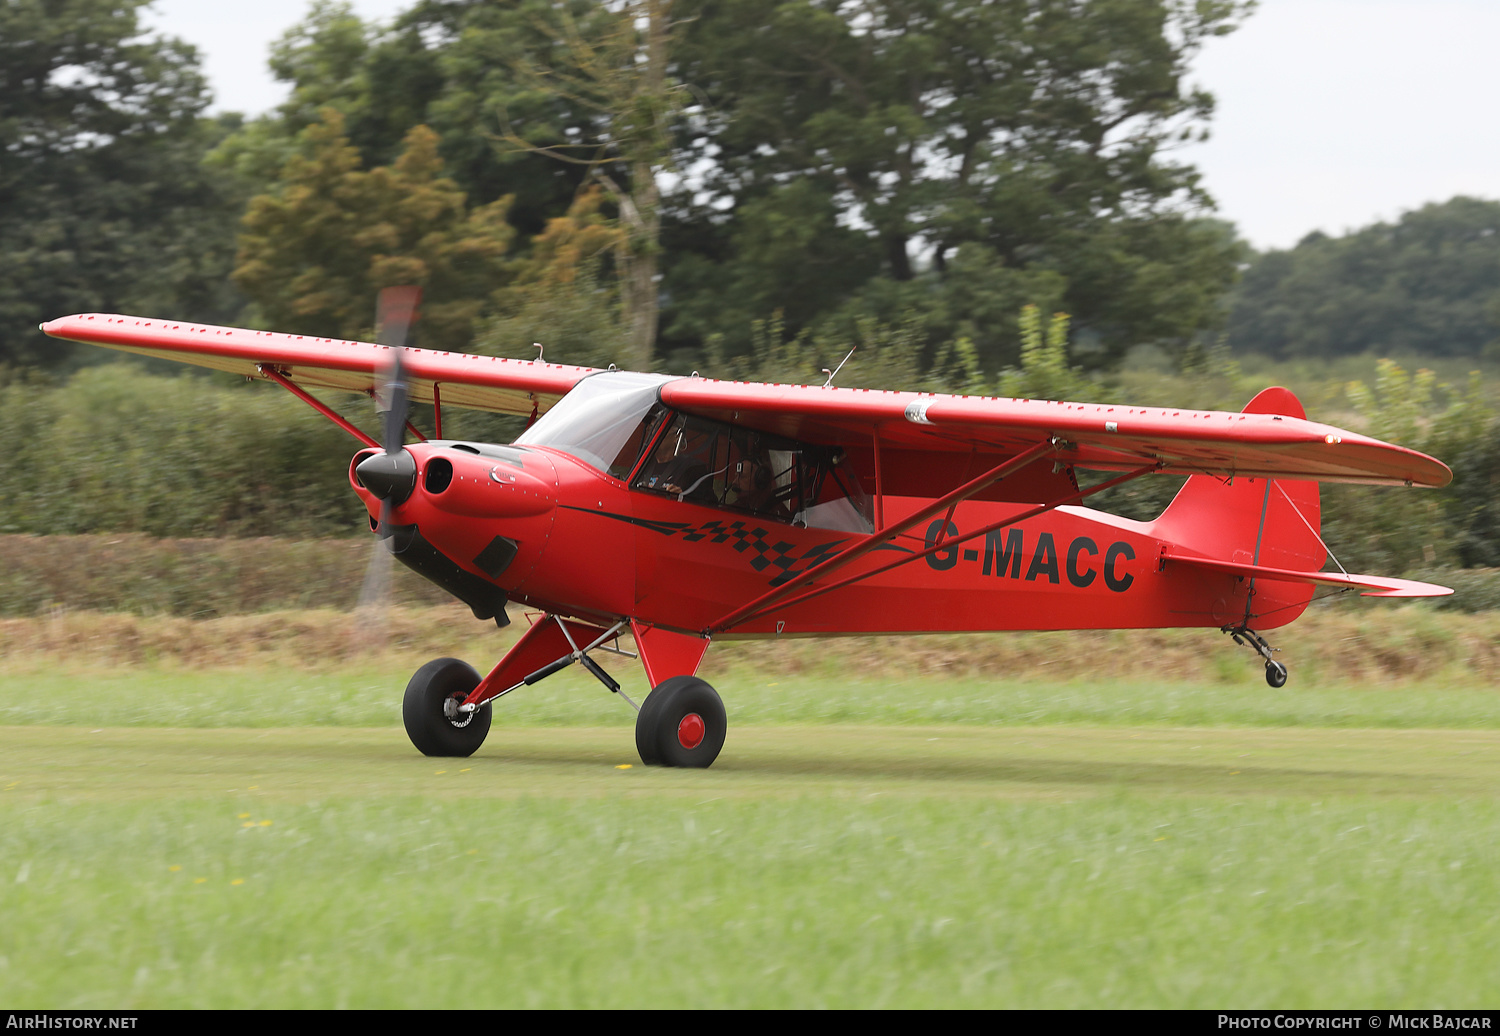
<point x="322" y="408"/>
<point x="946" y="544"/>
<point x="863" y="546"/>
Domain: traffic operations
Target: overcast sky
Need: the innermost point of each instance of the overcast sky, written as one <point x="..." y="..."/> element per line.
<point x="1332" y="113"/>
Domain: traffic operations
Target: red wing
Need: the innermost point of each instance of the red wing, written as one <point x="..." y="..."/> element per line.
<point x="477" y="382"/>
<point x="1099" y="435"/>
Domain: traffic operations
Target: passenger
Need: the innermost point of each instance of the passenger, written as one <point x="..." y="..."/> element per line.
<point x="754" y="488"/>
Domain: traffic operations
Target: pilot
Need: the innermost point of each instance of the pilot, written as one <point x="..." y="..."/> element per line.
<point x="681" y="464"/>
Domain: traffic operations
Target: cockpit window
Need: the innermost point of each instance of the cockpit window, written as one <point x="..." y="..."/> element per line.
<point x="605" y="421"/>
<point x="718" y="465"/>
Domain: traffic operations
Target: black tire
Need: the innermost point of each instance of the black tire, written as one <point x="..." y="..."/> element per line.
<point x="645" y="728"/>
<point x="422" y="709"/>
<point x="1275" y="674"/>
<point x="682" y="723"/>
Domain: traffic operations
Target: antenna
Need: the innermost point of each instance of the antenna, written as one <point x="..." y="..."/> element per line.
<point x="538" y="347"/>
<point x="835" y="370"/>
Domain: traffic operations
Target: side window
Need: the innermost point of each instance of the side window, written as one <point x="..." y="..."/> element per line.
<point x="753" y="472"/>
<point x="839" y="501"/>
<point x="689" y="462"/>
<point x="766" y="475"/>
<point x="718" y="466"/>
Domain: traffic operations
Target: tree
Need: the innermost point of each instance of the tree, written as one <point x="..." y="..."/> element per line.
<point x="1391" y="530"/>
<point x="561" y="296"/>
<point x="963" y="156"/>
<point x="447" y="64"/>
<point x="104" y="204"/>
<point x="1428" y="284"/>
<point x="476" y="72"/>
<point x="615" y="66"/>
<point x="912" y="163"/>
<point x="315" y="253"/>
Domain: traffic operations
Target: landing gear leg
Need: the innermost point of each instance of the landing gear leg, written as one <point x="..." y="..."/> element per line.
<point x="1275" y="671"/>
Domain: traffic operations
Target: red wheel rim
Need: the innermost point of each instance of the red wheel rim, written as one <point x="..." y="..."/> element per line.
<point x="691" y="730"/>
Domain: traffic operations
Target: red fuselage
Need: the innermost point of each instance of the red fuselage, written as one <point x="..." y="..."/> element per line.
<point x="587" y="545"/>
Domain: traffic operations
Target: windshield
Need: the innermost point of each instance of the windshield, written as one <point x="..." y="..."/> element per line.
<point x="601" y="420"/>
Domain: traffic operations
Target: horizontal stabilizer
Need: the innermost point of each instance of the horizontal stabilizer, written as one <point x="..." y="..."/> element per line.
<point x="1376" y="586"/>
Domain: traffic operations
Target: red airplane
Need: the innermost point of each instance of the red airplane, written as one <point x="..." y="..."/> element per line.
<point x="681" y="509"/>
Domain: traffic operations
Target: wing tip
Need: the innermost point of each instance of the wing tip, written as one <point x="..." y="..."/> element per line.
<point x="1405" y="588"/>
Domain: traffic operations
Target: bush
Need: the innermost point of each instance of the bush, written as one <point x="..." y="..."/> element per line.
<point x="116" y="449"/>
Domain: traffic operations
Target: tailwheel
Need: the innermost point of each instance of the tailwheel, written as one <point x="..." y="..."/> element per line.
<point x="1275" y="671"/>
<point x="681" y="723"/>
<point x="430" y="709"/>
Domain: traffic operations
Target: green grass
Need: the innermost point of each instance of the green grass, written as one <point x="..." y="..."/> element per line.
<point x="816" y="865"/>
<point x="258" y="836"/>
<point x="370" y="696"/>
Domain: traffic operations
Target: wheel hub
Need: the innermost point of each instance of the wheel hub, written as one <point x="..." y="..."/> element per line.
<point x="691" y="730"/>
<point x="452" y="714"/>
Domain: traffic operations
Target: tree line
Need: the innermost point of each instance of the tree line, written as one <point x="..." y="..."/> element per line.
<point x="668" y="173"/>
<point x="680" y="167"/>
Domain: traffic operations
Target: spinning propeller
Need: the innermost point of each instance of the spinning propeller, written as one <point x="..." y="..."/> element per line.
<point x="392" y="474"/>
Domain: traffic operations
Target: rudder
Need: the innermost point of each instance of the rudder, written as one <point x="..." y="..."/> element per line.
<point x="1258" y="521"/>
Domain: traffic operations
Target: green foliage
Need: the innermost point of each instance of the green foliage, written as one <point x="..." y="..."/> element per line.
<point x="561" y="296"/>
<point x="1045" y="372"/>
<point x="829" y="144"/>
<point x="315" y="253"/>
<point x="1385" y="530"/>
<point x="1021" y="141"/>
<point x="896" y="357"/>
<point x="879" y="356"/>
<point x="115" y="449"/>
<point x="614" y="65"/>
<point x="449" y="66"/>
<point x="104" y="203"/>
<point x="1425" y="285"/>
<point x="576" y="321"/>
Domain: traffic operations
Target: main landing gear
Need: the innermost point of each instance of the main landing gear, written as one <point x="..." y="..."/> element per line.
<point x="681" y="723"/>
<point x="1275" y="672"/>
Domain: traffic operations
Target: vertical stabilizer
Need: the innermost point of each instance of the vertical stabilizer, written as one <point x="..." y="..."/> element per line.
<point x="1254" y="521"/>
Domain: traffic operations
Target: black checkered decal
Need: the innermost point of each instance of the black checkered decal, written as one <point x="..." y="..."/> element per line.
<point x="764" y="549"/>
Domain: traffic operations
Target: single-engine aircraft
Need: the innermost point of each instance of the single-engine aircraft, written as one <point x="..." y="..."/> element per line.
<point x="682" y="509"/>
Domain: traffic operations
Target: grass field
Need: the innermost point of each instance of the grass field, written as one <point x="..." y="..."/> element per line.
<point x="263" y="835"/>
